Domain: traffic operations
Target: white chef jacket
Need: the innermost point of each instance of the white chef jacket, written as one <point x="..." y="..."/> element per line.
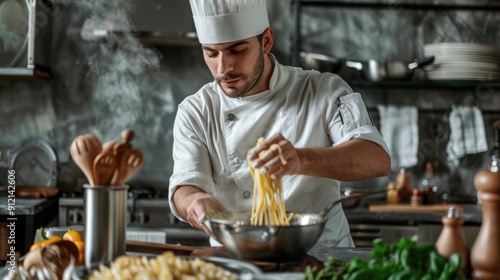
<point x="213" y="133"/>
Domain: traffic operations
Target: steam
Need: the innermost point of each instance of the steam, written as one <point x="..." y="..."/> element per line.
<point x="117" y="61"/>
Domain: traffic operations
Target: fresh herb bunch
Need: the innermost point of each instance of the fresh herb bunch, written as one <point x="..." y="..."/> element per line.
<point x="403" y="260"/>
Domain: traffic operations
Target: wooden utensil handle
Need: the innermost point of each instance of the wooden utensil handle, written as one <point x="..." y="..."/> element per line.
<point x="127" y="135"/>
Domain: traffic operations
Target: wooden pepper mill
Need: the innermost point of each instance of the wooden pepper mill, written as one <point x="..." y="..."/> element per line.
<point x="403" y="185"/>
<point x="485" y="253"/>
<point x="452" y="239"/>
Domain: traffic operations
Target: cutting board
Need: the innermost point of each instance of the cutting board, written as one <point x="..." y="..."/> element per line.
<point x="36" y="191"/>
<point x="433" y="208"/>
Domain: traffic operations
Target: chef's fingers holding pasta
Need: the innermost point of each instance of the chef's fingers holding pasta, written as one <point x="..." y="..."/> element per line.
<point x="263" y="145"/>
<point x="272" y="166"/>
<point x="287" y="163"/>
<point x="258" y="155"/>
<point x="277" y="156"/>
<point x="255" y="151"/>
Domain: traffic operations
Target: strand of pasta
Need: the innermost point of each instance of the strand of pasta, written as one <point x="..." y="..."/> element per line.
<point x="268" y="203"/>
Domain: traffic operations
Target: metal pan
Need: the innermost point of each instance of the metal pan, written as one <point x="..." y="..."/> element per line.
<point x="270" y="243"/>
<point x="352" y="203"/>
<point x="320" y="62"/>
<point x="375" y="70"/>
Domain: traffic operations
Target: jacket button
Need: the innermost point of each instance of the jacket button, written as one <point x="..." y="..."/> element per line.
<point x="237" y="160"/>
<point x="230" y="117"/>
<point x="246" y="194"/>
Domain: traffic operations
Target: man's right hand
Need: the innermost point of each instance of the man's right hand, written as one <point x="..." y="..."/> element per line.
<point x="192" y="203"/>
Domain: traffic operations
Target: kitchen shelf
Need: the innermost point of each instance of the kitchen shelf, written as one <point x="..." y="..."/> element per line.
<point x="33" y="73"/>
<point x="296" y="8"/>
<point x="407" y="4"/>
<point x="425" y="84"/>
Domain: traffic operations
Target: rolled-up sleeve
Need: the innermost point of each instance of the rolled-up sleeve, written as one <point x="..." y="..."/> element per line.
<point x="351" y="120"/>
<point x="191" y="159"/>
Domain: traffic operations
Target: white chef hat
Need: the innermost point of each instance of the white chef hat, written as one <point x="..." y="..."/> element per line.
<point x="222" y="21"/>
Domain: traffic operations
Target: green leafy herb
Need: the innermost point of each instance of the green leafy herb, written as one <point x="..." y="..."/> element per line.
<point x="403" y="260"/>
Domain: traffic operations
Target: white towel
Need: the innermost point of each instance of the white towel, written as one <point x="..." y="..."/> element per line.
<point x="399" y="128"/>
<point x="147" y="236"/>
<point x="467" y="133"/>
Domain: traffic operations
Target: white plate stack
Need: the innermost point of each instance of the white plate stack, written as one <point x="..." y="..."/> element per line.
<point x="463" y="61"/>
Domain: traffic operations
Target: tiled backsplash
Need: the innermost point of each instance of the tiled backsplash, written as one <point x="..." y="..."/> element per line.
<point x="103" y="87"/>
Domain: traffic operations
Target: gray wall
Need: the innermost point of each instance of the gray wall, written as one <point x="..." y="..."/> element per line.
<point x="105" y="86"/>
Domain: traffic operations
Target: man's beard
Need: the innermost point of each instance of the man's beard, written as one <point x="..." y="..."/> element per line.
<point x="252" y="80"/>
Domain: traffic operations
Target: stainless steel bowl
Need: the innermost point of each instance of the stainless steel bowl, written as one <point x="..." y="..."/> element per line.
<point x="276" y="243"/>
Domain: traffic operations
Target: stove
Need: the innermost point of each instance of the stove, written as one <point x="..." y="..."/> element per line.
<point x="148" y="218"/>
<point x="145" y="209"/>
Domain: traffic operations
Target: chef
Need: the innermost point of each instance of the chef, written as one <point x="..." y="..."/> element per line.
<point x="321" y="125"/>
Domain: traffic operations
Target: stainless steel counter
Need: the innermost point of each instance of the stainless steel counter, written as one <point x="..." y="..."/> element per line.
<point x="472" y="214"/>
<point x="365" y="225"/>
<point x="28" y="216"/>
<point x="25" y="206"/>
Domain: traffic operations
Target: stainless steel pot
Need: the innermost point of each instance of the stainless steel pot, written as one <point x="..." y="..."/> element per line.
<point x="277" y="243"/>
<point x="375" y="70"/>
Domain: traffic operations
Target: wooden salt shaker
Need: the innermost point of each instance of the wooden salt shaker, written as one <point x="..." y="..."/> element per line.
<point x="452" y="239"/>
<point x="403" y="185"/>
<point x="485" y="253"/>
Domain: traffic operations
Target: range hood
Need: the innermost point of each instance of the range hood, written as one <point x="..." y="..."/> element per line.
<point x="159" y="22"/>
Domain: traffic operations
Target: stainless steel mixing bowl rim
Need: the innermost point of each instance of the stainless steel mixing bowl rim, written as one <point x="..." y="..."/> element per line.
<point x="319" y="220"/>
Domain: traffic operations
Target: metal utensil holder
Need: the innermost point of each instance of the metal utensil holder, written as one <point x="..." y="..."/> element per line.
<point x="105" y="223"/>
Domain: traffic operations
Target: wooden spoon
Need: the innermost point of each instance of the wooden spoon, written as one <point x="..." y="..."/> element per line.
<point x="132" y="162"/>
<point x="84" y="149"/>
<point x="104" y="168"/>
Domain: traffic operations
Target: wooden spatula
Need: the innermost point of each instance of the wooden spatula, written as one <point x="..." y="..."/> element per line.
<point x="120" y="148"/>
<point x="84" y="149"/>
<point x="132" y="162"/>
<point x="104" y="168"/>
